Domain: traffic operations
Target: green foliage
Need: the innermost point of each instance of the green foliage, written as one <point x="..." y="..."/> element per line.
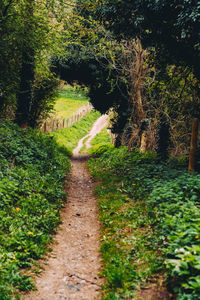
<point x="28" y="39"/>
<point x="69" y="137"/>
<point x="43" y="100"/>
<point x="168" y="198"/>
<point x="129" y="255"/>
<point x="153" y="21"/>
<point x="33" y="169"/>
<point x="99" y="149"/>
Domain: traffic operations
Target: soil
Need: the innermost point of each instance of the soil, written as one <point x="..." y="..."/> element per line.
<point x="71" y="270"/>
<point x="154" y="290"/>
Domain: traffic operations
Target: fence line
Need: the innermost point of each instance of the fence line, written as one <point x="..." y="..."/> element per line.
<point x="52" y="124"/>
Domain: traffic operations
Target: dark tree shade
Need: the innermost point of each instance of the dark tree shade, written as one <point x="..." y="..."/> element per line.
<point x="173" y="27"/>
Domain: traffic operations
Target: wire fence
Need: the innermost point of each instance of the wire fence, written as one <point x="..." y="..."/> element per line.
<point x="55" y="123"/>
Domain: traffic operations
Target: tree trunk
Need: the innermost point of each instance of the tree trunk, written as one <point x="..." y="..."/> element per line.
<point x="24" y="96"/>
<point x="25" y="93"/>
<point x="163" y="139"/>
<point x="193" y="145"/>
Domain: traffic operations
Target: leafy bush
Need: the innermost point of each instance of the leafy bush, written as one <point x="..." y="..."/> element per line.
<point x="169" y="198"/>
<point x="33" y="169"/>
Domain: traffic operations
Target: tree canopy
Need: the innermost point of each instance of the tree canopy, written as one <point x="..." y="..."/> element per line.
<point x="170" y="26"/>
<point x="29" y="36"/>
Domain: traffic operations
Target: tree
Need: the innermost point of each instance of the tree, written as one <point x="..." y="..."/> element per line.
<point x="170" y="26"/>
<point x="9" y="57"/>
<point x="30" y="36"/>
<point x="106" y="89"/>
<point x="93" y="58"/>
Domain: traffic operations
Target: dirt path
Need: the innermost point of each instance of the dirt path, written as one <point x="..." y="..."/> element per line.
<point x="71" y="271"/>
<point x="100" y="123"/>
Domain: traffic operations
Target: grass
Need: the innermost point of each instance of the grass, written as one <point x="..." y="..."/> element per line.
<point x="151" y="222"/>
<point x="69" y="101"/>
<point x="76" y="92"/>
<point x="102" y="138"/>
<point x="69" y="137"/>
<point x="128" y="255"/>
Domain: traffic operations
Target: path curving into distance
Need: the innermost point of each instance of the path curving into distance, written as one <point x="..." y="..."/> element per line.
<point x="98" y="125"/>
<point x="71" y="269"/>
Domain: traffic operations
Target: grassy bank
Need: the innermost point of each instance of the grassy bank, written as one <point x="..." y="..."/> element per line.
<point x="33" y="170"/>
<point x="69" y="101"/>
<point x="101" y="139"/>
<point x="151" y="224"/>
<point x="69" y="137"/>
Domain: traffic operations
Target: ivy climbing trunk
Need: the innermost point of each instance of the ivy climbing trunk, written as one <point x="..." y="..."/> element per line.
<point x="193" y="145"/>
<point x="143" y="145"/>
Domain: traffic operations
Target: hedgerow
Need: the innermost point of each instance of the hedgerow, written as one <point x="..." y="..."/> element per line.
<point x="32" y="174"/>
<point x="163" y="202"/>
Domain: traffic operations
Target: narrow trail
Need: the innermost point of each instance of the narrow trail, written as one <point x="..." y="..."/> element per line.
<point x="71" y="269"/>
<point x="97" y="127"/>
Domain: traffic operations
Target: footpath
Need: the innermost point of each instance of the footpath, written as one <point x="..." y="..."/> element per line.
<point x="71" y="269"/>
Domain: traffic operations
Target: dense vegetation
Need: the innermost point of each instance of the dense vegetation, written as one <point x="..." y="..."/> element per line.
<point x="28" y="39"/>
<point x="150" y="217"/>
<point x="33" y="170"/>
<point x="140" y="61"/>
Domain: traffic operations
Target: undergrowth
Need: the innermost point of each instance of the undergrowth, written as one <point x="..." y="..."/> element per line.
<point x="151" y="223"/>
<point x="69" y="137"/>
<point x="32" y="173"/>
